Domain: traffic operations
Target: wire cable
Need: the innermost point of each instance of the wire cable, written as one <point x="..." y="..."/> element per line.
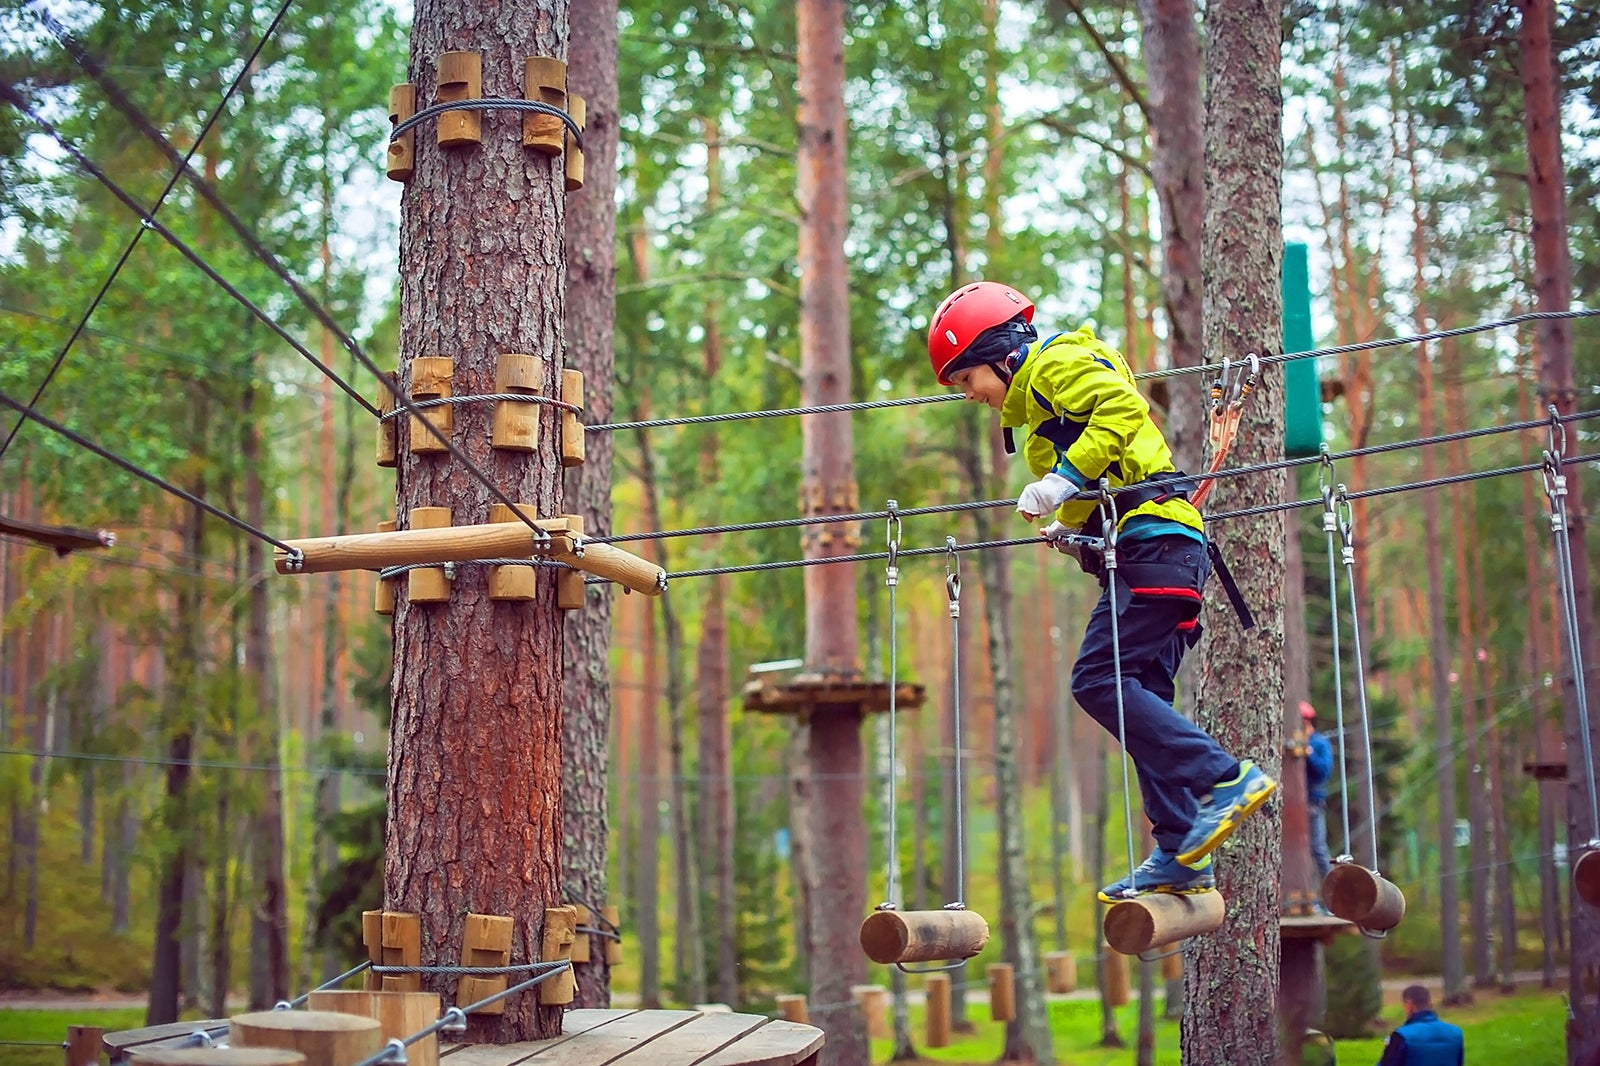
<point x="140" y="472"/>
<point x="133" y="243"/>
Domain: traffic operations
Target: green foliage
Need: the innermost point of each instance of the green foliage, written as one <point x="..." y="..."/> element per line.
<point x="1355" y="995"/>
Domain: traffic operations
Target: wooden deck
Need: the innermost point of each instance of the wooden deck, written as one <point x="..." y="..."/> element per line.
<point x="589" y="1038"/>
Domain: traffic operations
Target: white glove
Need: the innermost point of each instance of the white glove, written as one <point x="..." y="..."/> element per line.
<point x="1057" y="535"/>
<point x="1044" y="496"/>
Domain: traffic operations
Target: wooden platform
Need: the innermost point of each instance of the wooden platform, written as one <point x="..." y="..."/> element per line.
<point x="590" y="1038"/>
<point x="1312" y="926"/>
<point x="802" y="694"/>
<point x="1545" y="771"/>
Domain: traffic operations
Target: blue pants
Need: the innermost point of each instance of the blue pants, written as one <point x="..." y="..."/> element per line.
<point x="1317" y="810"/>
<point x="1176" y="759"/>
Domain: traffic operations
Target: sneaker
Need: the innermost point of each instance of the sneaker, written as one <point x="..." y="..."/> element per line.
<point x="1162" y="872"/>
<point x="1229" y="803"/>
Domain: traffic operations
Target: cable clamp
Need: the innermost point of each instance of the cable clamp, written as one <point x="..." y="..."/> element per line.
<point x="955" y="905"/>
<point x="453" y="1021"/>
<point x="952" y="576"/>
<point x="577" y="545"/>
<point x="283" y="1004"/>
<point x="394" y="1052"/>
<point x="294" y="561"/>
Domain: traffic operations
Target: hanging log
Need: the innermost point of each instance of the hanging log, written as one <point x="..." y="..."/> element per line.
<point x="1586" y="877"/>
<point x="1357" y="894"/>
<point x="1136" y="925"/>
<point x="923" y="936"/>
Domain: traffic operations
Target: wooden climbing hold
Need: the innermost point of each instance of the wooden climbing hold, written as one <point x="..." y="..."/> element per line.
<point x="460" y="78"/>
<point x="570" y="587"/>
<point x="388" y="428"/>
<point x="1586" y="877"/>
<point x="516" y="423"/>
<point x="560" y="929"/>
<point x="383" y="600"/>
<point x="402" y="946"/>
<point x="403" y="149"/>
<point x="613" y="917"/>
<point x="579" y="110"/>
<point x="431" y="379"/>
<point x="544" y="80"/>
<point x="1002" y="992"/>
<point x="399" y="1015"/>
<point x="1137" y="925"/>
<point x="581" y="944"/>
<point x="485" y="941"/>
<point x="515" y="583"/>
<point x="427" y="584"/>
<point x="572" y="445"/>
<point x="891" y="937"/>
<point x="1359" y="895"/>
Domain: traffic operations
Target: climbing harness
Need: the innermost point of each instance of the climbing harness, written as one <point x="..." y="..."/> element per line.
<point x="1378" y="905"/>
<point x="889" y="935"/>
<point x="1555" y="489"/>
<point x="1228" y="394"/>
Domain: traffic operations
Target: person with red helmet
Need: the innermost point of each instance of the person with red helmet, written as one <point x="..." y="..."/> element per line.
<point x="1086" y="421"/>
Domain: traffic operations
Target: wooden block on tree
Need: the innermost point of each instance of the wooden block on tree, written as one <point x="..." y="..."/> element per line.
<point x="581" y="944"/>
<point x="485" y="941"/>
<point x="579" y="110"/>
<point x="516" y="423"/>
<point x="372" y="938"/>
<point x="560" y="929"/>
<point x="572" y="444"/>
<point x="382" y="603"/>
<point x="403" y="149"/>
<point x="937" y="988"/>
<point x="388" y="446"/>
<point x="321" y="1036"/>
<point x="544" y="80"/>
<point x="1002" y="992"/>
<point x="399" y="1015"/>
<point x="430" y="380"/>
<point x="613" y="917"/>
<point x="793" y="1008"/>
<point x="402" y="946"/>
<point x="512" y="582"/>
<point x="428" y="584"/>
<point x="460" y="78"/>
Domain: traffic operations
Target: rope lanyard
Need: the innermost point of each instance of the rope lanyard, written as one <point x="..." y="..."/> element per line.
<point x="1347" y="536"/>
<point x="1108" y="519"/>
<point x="1555" y="489"/>
<point x="891" y="579"/>
<point x="1228" y="394"/>
<point x="1330" y="525"/>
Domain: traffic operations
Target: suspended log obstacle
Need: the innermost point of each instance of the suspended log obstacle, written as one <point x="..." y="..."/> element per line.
<point x="1361" y="896"/>
<point x="557" y="539"/>
<point x="900" y="937"/>
<point x="1156" y="919"/>
<point x="1586" y="876"/>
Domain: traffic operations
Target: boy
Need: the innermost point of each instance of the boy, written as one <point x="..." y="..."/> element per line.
<point x="1086" y="421"/>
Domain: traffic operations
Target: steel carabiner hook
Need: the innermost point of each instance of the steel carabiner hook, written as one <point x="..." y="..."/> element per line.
<point x="952" y="576"/>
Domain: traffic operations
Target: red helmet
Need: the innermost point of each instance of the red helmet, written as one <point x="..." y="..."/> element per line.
<point x="966" y="313"/>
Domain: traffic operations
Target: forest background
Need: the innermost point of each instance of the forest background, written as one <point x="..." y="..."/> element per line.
<point x="1406" y="179"/>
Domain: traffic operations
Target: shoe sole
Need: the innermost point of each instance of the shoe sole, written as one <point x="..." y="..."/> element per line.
<point x="1224" y="830"/>
<point x="1162" y="890"/>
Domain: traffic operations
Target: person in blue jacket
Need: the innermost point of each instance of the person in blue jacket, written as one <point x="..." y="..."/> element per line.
<point x="1319" y="764"/>
<point x="1422" y="1039"/>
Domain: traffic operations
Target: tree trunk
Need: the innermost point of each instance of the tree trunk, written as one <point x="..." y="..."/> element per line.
<point x="1232" y="985"/>
<point x="269" y="911"/>
<point x="1541" y="88"/>
<point x="1454" y="976"/>
<point x="1171" y="43"/>
<point x="475" y="754"/>
<point x="590" y="334"/>
<point x="838" y="884"/>
<point x="648" y="894"/>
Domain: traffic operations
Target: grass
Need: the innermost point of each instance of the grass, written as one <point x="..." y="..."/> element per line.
<point x="1528" y="1029"/>
<point x="50" y="1026"/>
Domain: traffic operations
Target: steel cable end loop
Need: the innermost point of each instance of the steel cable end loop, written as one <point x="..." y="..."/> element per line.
<point x="952" y="576"/>
<point x="455" y="1021"/>
<point x="1558" y="432"/>
<point x="891" y="575"/>
<point x="1347" y="525"/>
<point x="1555" y="482"/>
<point x="1108" y="522"/>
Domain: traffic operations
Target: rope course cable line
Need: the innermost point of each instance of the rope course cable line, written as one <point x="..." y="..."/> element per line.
<point x="120" y="99"/>
<point x="183" y="248"/>
<point x="489" y="103"/>
<point x="140" y="472"/>
<point x="454" y="1019"/>
<point x="133" y="242"/>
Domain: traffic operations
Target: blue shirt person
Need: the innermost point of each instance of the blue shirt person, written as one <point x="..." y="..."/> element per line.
<point x="1319" y="764"/>
<point x="1423" y="1040"/>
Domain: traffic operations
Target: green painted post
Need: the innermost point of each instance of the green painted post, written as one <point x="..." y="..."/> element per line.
<point x="1302" y="392"/>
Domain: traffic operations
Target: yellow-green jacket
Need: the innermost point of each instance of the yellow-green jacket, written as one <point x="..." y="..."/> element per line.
<point x="1087" y="420"/>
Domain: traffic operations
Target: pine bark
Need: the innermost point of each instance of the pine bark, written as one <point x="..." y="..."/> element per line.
<point x="475" y="753"/>
<point x="1541" y="86"/>
<point x="591" y="254"/>
<point x="1229" y="1015"/>
<point x="838" y="882"/>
